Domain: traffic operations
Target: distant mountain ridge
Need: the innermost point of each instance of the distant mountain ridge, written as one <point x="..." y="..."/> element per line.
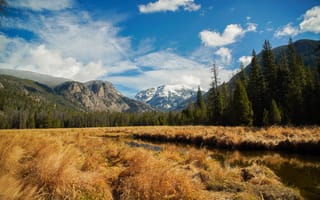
<point x="50" y="81"/>
<point x="309" y="50"/>
<point x="167" y="97"/>
<point x="90" y="96"/>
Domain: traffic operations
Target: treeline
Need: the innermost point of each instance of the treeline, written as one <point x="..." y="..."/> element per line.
<point x="273" y="90"/>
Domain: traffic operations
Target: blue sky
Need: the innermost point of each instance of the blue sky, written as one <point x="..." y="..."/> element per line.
<point x="142" y="44"/>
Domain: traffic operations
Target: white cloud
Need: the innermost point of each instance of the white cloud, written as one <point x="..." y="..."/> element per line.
<point x="311" y="20"/>
<point x="310" y="23"/>
<point x="287" y="30"/>
<point x="230" y="35"/>
<point x="37" y="58"/>
<point x="38" y="5"/>
<point x="75" y="46"/>
<point x="84" y="38"/>
<point x="225" y="56"/>
<point x="69" y="45"/>
<point x="170" y="68"/>
<point x="169" y="5"/>
<point x="252" y="27"/>
<point x="166" y="60"/>
<point x="245" y="60"/>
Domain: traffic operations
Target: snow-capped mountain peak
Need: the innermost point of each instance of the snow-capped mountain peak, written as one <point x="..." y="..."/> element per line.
<point x="167" y="97"/>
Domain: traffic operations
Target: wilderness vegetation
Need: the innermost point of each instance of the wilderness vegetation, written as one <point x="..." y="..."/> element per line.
<point x="104" y="163"/>
<point x="273" y="90"/>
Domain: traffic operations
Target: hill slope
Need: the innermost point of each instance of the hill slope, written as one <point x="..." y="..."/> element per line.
<point x="71" y="95"/>
<point x="309" y="50"/>
<point x="50" y="81"/>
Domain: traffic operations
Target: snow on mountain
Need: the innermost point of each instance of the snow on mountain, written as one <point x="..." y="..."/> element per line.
<point x="167" y="97"/>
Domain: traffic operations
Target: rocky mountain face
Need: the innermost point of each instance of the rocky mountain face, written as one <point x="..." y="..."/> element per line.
<point x="72" y="95"/>
<point x="99" y="96"/>
<point x="167" y="97"/>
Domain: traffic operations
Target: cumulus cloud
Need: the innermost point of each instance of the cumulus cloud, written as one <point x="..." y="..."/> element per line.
<point x="68" y="45"/>
<point x="38" y="58"/>
<point x="170" y="68"/>
<point x="169" y="5"/>
<point x="311" y="20"/>
<point x="245" y="60"/>
<point x="310" y="23"/>
<point x="225" y="55"/>
<point x="38" y="5"/>
<point x="287" y="30"/>
<point x="166" y="60"/>
<point x="230" y="35"/>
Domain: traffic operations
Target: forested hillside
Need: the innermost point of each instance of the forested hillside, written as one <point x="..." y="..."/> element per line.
<point x="275" y="89"/>
<point x="272" y="90"/>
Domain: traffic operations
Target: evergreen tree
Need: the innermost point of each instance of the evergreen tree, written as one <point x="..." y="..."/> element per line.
<point x="200" y="102"/>
<point x="201" y="109"/>
<point x="243" y="75"/>
<point x="265" y="119"/>
<point x="256" y="90"/>
<point x="269" y="66"/>
<point x="283" y="83"/>
<point x="297" y="83"/>
<point x="218" y="108"/>
<point x="242" y="113"/>
<point x="274" y="113"/>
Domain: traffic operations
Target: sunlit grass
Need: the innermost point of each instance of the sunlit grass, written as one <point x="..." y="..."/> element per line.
<point x="79" y="164"/>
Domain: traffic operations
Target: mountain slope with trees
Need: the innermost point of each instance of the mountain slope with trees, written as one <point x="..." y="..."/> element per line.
<point x="281" y="88"/>
<point x="273" y="89"/>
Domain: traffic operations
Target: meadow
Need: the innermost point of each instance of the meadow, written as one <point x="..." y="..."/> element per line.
<point x="110" y="163"/>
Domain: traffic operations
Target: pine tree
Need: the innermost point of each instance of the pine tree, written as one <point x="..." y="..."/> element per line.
<point x="200" y="102"/>
<point x="297" y="83"/>
<point x="201" y="109"/>
<point x="283" y="83"/>
<point x="274" y="113"/>
<point x="256" y="90"/>
<point x="265" y="119"/>
<point x="242" y="113"/>
<point x="243" y="75"/>
<point x="270" y="72"/>
<point x="215" y="100"/>
<point x="218" y="108"/>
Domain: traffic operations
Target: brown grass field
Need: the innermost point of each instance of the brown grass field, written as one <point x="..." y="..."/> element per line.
<point x="103" y="163"/>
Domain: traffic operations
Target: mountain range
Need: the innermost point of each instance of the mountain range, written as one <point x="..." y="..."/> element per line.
<point x="168" y="97"/>
<point x="102" y="95"/>
<point x="71" y="95"/>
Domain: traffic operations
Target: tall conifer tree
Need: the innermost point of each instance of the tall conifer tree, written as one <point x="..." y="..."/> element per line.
<point x="269" y="66"/>
<point x="241" y="111"/>
<point x="256" y="90"/>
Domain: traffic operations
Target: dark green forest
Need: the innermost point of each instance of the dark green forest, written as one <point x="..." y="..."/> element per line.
<point x="273" y="90"/>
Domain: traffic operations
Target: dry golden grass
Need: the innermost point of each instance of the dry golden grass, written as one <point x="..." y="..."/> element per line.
<point x="79" y="164"/>
<point x="293" y="139"/>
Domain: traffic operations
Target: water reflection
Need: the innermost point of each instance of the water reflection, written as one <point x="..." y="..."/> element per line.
<point x="299" y="171"/>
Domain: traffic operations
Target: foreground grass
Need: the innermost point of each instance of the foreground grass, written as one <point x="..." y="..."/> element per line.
<point x="76" y="164"/>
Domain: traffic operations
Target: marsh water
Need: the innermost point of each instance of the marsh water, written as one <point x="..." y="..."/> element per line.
<point x="295" y="170"/>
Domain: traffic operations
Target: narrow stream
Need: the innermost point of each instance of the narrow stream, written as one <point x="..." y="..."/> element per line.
<point x="298" y="171"/>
